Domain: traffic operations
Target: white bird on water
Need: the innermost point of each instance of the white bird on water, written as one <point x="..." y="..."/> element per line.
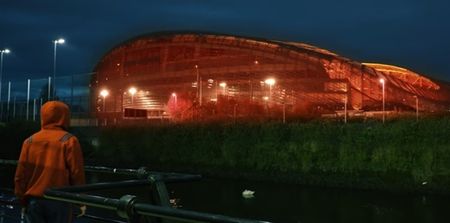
<point x="248" y="194"/>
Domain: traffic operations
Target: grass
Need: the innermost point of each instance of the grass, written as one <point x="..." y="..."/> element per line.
<point x="400" y="155"/>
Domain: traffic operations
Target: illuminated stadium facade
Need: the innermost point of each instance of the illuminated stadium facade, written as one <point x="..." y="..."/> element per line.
<point x="204" y="76"/>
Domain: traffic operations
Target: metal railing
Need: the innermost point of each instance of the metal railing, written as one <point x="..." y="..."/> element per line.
<point x="8" y="205"/>
<point x="127" y="207"/>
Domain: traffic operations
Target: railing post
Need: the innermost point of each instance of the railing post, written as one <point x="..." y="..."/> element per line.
<point x="125" y="208"/>
<point x="160" y="194"/>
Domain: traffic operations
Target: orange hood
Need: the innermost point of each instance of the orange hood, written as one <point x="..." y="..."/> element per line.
<point x="55" y="115"/>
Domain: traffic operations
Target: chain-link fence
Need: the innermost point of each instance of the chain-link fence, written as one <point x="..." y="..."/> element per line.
<point x="22" y="100"/>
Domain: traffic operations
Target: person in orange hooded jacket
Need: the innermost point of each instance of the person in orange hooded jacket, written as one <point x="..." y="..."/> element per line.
<point x="50" y="158"/>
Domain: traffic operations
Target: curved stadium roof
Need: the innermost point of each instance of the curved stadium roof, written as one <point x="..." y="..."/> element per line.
<point x="306" y="76"/>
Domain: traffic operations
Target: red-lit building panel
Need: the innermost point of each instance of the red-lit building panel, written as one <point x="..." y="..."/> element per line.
<point x="183" y="76"/>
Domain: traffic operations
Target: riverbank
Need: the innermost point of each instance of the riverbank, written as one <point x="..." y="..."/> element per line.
<point x="401" y="155"/>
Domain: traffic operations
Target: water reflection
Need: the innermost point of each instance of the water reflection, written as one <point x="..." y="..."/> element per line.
<point x="286" y="203"/>
<point x="293" y="203"/>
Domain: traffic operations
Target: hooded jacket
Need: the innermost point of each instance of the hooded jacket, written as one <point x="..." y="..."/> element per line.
<point x="51" y="157"/>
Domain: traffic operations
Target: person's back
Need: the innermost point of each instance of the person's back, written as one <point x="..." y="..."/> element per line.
<point x="49" y="158"/>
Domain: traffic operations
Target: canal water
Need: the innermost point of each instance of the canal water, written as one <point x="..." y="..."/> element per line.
<point x="287" y="203"/>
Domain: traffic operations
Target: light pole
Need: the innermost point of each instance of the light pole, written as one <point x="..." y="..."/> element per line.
<point x="132" y="91"/>
<point x="266" y="99"/>
<point x="1" y="83"/>
<point x="175" y="99"/>
<point x="223" y="85"/>
<point x="217" y="92"/>
<point x="382" y="81"/>
<point x="104" y="93"/>
<point x="8" y="100"/>
<point x="28" y="97"/>
<point x="270" y="82"/>
<point x="250" y="81"/>
<point x="345" y="108"/>
<point x="55" y="43"/>
<point x="199" y="86"/>
<point x="417" y="107"/>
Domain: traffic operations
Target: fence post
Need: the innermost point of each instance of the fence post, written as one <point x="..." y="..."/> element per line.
<point x="71" y="92"/>
<point x="9" y="99"/>
<point x="28" y="98"/>
<point x="49" y="87"/>
<point x="14" y="108"/>
<point x="34" y="110"/>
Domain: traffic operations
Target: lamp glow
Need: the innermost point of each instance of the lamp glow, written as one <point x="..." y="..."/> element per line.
<point x="60" y="41"/>
<point x="270" y="81"/>
<point x="132" y="90"/>
<point x="104" y="93"/>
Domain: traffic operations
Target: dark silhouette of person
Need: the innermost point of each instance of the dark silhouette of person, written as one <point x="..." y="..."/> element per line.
<point x="52" y="157"/>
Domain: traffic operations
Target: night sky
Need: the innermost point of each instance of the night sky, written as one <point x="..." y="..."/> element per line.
<point x="414" y="34"/>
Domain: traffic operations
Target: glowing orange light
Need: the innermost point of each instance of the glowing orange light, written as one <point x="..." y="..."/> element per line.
<point x="132" y="90"/>
<point x="270" y="81"/>
<point x="104" y="93"/>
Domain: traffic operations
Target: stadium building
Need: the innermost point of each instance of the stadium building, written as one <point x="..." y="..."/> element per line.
<point x="204" y="76"/>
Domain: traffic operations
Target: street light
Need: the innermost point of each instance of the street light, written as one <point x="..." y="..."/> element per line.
<point x="104" y="93"/>
<point x="223" y="85"/>
<point x="256" y="62"/>
<point x="132" y="91"/>
<point x="55" y="43"/>
<point x="382" y="81"/>
<point x="270" y="82"/>
<point x="199" y="86"/>
<point x="345" y="108"/>
<point x="417" y="107"/>
<point x="174" y="96"/>
<point x="5" y="51"/>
